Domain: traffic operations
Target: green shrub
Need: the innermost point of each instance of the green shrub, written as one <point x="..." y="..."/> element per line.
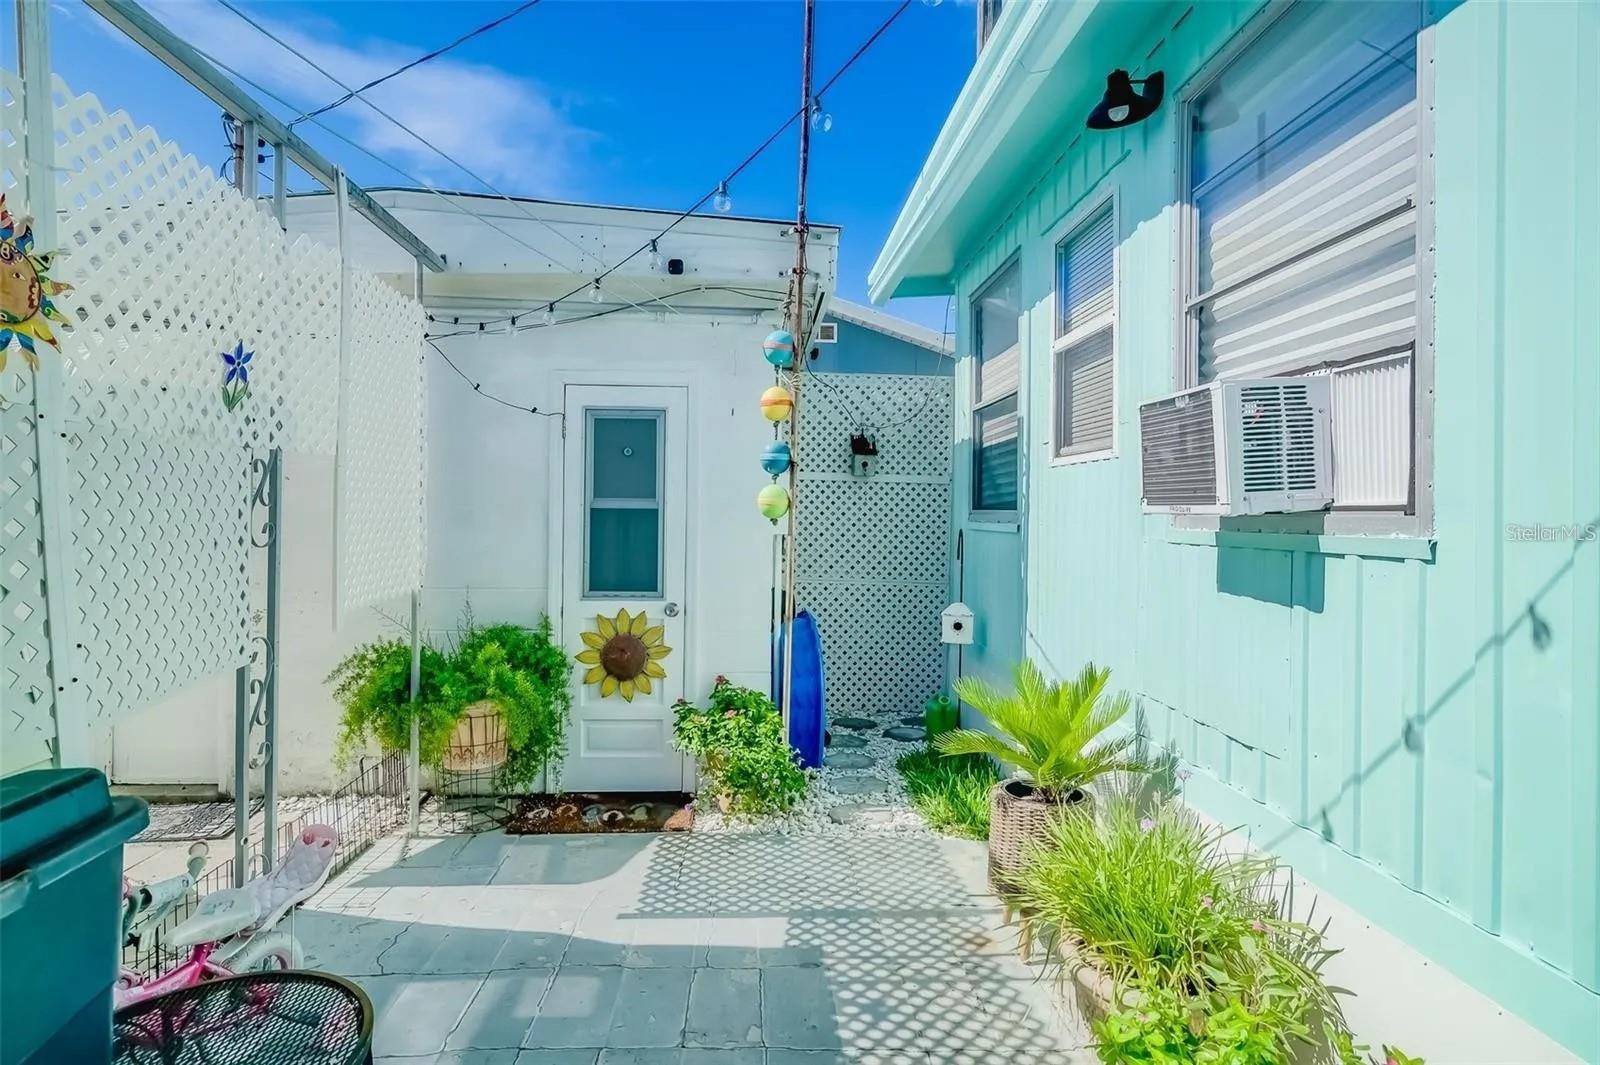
<point x="1158" y="901"/>
<point x="373" y="685"/>
<point x="744" y="757"/>
<point x="950" y="791"/>
<point x="1159" y="1027"/>
<point x="1048" y="730"/>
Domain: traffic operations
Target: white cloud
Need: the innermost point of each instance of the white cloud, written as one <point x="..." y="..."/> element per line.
<point x="507" y="129"/>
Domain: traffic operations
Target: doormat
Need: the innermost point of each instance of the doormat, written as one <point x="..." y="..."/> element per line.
<point x="183" y="822"/>
<point x="572" y="812"/>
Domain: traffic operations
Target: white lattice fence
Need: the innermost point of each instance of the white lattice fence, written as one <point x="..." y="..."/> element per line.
<point x="379" y="503"/>
<point x="170" y="268"/>
<point x="873" y="552"/>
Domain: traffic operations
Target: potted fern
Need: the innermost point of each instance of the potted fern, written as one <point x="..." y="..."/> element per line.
<point x="1051" y="733"/>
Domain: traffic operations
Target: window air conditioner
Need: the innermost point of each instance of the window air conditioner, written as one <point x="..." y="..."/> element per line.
<point x="1239" y="447"/>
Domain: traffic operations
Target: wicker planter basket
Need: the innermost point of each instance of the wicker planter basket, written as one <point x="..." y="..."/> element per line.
<point x="1017" y="817"/>
<point x="479" y="741"/>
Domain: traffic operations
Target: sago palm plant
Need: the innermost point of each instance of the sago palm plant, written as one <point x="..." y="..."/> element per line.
<point x="1049" y="731"/>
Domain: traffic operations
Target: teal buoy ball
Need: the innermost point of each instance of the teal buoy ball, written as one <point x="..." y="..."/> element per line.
<point x="776" y="459"/>
<point x="779" y="348"/>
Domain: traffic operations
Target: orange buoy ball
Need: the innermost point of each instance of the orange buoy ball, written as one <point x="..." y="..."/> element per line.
<point x="776" y="403"/>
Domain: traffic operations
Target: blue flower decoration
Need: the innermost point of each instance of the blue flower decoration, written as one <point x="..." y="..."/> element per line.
<point x="238" y="361"/>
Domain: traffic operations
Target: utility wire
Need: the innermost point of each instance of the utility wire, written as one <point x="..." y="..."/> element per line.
<point x="478" y="388"/>
<point x="447" y="157"/>
<point x="435" y="54"/>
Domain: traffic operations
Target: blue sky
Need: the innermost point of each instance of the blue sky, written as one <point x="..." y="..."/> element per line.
<point x="638" y="102"/>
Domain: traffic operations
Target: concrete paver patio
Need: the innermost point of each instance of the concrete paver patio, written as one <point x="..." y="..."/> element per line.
<point x="686" y="950"/>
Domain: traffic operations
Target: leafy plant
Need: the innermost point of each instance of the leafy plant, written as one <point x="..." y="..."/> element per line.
<point x="1155" y="898"/>
<point x="1048" y="730"/>
<point x="1158" y="1026"/>
<point x="373" y="685"/>
<point x="951" y="792"/>
<point x="744" y="757"/>
<point x="525" y="674"/>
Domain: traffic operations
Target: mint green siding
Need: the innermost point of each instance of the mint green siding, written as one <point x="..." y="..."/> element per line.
<point x="1415" y="724"/>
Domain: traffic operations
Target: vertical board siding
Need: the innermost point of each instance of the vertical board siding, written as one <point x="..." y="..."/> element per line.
<point x="1439" y="720"/>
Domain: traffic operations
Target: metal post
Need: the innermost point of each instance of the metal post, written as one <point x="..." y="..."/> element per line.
<point x="244" y="158"/>
<point x="241" y="775"/>
<point x="269" y="728"/>
<point x="341" y="448"/>
<point x="414" y="758"/>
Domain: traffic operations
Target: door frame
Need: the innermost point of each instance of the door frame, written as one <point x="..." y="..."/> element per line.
<point x="555" y="539"/>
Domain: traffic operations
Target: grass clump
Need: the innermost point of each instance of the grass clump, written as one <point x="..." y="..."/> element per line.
<point x="1198" y="932"/>
<point x="950" y="791"/>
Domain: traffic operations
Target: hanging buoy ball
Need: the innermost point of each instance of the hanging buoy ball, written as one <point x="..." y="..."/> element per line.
<point x="776" y="403"/>
<point x="773" y="501"/>
<point x="779" y="348"/>
<point x="775" y="458"/>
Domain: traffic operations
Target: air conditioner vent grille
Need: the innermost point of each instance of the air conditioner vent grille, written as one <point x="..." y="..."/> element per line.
<point x="1178" y="445"/>
<point x="1278" y="438"/>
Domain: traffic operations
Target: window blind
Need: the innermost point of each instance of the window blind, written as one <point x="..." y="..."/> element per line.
<point x="1084" y="370"/>
<point x="1085" y="408"/>
<point x="995" y="312"/>
<point x="994" y="458"/>
<point x="1084" y="269"/>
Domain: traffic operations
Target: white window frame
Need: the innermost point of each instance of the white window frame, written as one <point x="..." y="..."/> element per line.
<point x="591" y="503"/>
<point x="1059" y="235"/>
<point x="978" y="402"/>
<point x="1417" y="519"/>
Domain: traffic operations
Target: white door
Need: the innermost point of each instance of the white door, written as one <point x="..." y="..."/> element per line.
<point x="623" y="570"/>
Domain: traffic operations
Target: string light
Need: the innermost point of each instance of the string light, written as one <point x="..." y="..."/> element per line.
<point x="655" y="256"/>
<point x="550" y="314"/>
<point x="509" y="326"/>
<point x="723" y="202"/>
<point x="594" y="293"/>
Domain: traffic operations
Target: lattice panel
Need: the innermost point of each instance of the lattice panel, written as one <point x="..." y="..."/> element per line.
<point x="28" y="692"/>
<point x="880" y="645"/>
<point x="873" y="531"/>
<point x="906" y="414"/>
<point x="380" y="504"/>
<point x="873" y="552"/>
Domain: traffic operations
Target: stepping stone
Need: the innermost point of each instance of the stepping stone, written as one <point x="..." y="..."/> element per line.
<point x="915" y="719"/>
<point x="848" y="760"/>
<point x="855" y="722"/>
<point x="858" y="785"/>
<point x="862" y="814"/>
<point x="845" y="743"/>
<point x="906" y="733"/>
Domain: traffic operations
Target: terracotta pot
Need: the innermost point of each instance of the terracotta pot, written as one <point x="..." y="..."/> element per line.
<point x="479" y="741"/>
<point x="1018" y="816"/>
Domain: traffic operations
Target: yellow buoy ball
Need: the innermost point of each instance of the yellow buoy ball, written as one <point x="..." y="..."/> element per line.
<point x="773" y="501"/>
<point x="776" y="403"/>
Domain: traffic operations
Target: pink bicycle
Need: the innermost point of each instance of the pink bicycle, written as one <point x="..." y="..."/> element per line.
<point x="231" y="931"/>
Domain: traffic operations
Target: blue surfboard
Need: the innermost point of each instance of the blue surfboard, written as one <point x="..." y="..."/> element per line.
<point x="807" y="717"/>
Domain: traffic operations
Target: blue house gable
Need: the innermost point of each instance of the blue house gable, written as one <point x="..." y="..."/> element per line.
<point x="865" y="340"/>
<point x="1399" y="694"/>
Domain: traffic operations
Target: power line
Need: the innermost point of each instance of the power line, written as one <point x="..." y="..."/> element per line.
<point x="441" y="153"/>
<point x="435" y="54"/>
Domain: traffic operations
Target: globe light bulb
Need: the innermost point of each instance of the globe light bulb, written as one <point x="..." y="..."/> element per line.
<point x="723" y="202"/>
<point x="821" y="121"/>
<point x="594" y="292"/>
<point x="655" y="256"/>
<point x="931" y="3"/>
<point x="507" y="326"/>
<point x="550" y="314"/>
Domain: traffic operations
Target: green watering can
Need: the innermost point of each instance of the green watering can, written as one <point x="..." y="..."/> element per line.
<point x="940" y="715"/>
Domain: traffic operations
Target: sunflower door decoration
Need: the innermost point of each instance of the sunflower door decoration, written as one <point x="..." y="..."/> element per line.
<point x="623" y="654"/>
<point x="26" y="309"/>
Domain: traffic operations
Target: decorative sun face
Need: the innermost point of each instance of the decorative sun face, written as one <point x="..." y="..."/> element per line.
<point x="25" y="291"/>
<point x="623" y="654"/>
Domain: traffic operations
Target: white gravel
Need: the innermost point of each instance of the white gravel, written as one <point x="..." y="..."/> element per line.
<point x="884" y="811"/>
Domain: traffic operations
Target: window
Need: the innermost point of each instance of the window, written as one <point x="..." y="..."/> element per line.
<point x="1303" y="192"/>
<point x="1085" y="338"/>
<point x="622" y="521"/>
<point x="997" y="373"/>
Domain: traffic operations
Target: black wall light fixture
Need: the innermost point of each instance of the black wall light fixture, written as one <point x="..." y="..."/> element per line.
<point x="1121" y="105"/>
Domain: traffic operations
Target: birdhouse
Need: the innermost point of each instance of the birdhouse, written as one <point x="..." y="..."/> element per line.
<point x="956" y="624"/>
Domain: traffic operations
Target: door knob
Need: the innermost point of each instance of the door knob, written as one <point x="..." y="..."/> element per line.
<point x="671" y="610"/>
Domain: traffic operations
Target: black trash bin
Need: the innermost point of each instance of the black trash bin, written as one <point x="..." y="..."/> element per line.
<point x="61" y="837"/>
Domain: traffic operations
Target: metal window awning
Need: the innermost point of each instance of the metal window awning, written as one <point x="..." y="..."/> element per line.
<point x="144" y="29"/>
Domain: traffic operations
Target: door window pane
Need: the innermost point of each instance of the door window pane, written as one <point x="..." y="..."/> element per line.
<point x="622" y="519"/>
<point x="624" y="551"/>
